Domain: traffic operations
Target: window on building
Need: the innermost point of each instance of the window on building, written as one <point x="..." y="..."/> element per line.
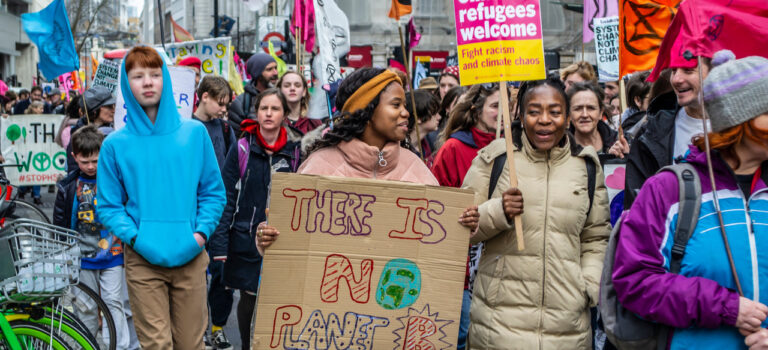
<point x="358" y="12"/>
<point x="553" y="17"/>
<point x="431" y="8"/>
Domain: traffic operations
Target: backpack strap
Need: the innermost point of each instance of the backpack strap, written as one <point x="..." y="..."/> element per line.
<point x="689" y="204"/>
<point x="591" y="181"/>
<point x="247" y="105"/>
<point x="243" y="149"/>
<point x="498" y="167"/>
<point x="225" y="129"/>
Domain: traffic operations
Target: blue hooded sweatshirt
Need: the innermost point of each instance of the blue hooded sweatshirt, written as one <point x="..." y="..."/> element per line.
<point x="159" y="183"/>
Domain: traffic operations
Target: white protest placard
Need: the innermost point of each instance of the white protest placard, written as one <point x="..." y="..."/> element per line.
<point x="47" y="87"/>
<point x="332" y="35"/>
<point x="183" y="80"/>
<point x="214" y="53"/>
<point x="108" y="74"/>
<point x="27" y="141"/>
<point x="607" y="47"/>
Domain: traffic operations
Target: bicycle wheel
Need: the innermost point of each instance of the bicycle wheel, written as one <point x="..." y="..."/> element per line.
<point x="72" y="302"/>
<point x="27" y="210"/>
<point x="33" y="336"/>
<point x="68" y="330"/>
<point x="70" y="319"/>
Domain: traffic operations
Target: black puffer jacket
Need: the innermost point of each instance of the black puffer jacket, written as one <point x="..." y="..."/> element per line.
<point x="242" y="107"/>
<point x="653" y="145"/>
<point x="234" y="238"/>
<point x="607" y="135"/>
<point x="65" y="197"/>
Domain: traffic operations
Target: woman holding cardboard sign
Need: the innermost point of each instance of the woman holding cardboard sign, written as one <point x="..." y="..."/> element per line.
<point x="365" y="140"/>
<point x="538" y="298"/>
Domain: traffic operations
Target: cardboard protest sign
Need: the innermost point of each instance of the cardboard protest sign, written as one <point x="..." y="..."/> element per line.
<point x="362" y="264"/>
<point x="108" y="74"/>
<point x="215" y="54"/>
<point x="27" y="141"/>
<point x="183" y="80"/>
<point x="499" y="40"/>
<point x="615" y="176"/>
<point x="607" y="48"/>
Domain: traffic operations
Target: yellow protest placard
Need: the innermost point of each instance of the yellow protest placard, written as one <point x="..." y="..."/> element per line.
<point x="362" y="264"/>
<point x="499" y="40"/>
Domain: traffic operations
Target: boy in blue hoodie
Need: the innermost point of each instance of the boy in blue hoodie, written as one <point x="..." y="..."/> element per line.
<point x="160" y="192"/>
<point x="102" y="269"/>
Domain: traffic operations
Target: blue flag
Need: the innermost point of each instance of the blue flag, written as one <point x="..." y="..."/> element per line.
<point x="49" y="29"/>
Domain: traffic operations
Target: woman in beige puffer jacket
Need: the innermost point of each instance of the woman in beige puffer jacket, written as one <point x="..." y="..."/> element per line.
<point x="538" y="298"/>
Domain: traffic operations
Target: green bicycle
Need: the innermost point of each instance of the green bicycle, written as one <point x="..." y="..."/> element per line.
<point x="38" y="262"/>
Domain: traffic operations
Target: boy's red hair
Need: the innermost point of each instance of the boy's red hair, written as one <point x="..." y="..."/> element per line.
<point x="143" y="56"/>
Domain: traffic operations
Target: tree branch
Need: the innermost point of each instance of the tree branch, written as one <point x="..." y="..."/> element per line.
<point x="90" y="23"/>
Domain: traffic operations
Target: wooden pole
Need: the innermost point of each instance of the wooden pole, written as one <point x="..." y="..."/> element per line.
<point x="498" y="120"/>
<point x="413" y="98"/>
<point x="504" y="103"/>
<point x="622" y="102"/>
<point x="715" y="199"/>
<point x="298" y="49"/>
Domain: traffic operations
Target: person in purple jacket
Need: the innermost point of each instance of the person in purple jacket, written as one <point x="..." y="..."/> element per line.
<point x="701" y="303"/>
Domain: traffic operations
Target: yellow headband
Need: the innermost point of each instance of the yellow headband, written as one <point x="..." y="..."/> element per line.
<point x="366" y="93"/>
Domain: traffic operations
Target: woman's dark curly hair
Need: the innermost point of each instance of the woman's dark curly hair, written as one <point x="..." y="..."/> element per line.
<point x="350" y="125"/>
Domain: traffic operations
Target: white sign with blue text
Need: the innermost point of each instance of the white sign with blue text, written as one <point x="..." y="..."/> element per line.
<point x="183" y="81"/>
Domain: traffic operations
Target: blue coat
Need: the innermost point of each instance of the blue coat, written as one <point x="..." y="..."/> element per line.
<point x="159" y="183"/>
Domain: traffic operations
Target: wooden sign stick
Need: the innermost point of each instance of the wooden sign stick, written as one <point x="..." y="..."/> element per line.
<point x="504" y="105"/>
<point x="622" y="102"/>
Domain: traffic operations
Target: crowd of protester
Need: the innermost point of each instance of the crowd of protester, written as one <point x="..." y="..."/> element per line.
<point x="161" y="234"/>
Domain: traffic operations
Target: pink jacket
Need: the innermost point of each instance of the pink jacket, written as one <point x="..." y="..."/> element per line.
<point x="355" y="158"/>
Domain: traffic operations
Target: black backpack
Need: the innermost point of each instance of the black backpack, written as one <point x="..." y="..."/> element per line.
<point x="624" y="328"/>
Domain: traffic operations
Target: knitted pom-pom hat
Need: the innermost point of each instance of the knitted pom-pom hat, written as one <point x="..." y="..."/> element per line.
<point x="735" y="91"/>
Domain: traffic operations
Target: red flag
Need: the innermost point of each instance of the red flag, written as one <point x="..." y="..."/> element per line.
<point x="179" y="33"/>
<point x="304" y="18"/>
<point x="399" y="8"/>
<point x="703" y="27"/>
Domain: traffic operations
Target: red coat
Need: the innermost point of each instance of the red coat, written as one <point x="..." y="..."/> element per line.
<point x="455" y="157"/>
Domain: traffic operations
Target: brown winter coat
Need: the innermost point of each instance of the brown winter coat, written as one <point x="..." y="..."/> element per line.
<point x="538" y="298"/>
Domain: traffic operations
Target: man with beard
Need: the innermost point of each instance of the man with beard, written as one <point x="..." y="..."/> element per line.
<point x="36" y="94"/>
<point x="263" y="71"/>
<point x="674" y="119"/>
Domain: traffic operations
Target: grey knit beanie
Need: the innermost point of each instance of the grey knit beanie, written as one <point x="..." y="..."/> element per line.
<point x="256" y="64"/>
<point x="735" y="91"/>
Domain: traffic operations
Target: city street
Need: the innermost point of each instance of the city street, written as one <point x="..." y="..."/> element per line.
<point x="230" y="329"/>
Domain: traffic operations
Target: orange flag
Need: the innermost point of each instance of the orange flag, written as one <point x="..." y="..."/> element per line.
<point x="94" y="66"/>
<point x="179" y="33"/>
<point x="642" y="25"/>
<point x="399" y="8"/>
